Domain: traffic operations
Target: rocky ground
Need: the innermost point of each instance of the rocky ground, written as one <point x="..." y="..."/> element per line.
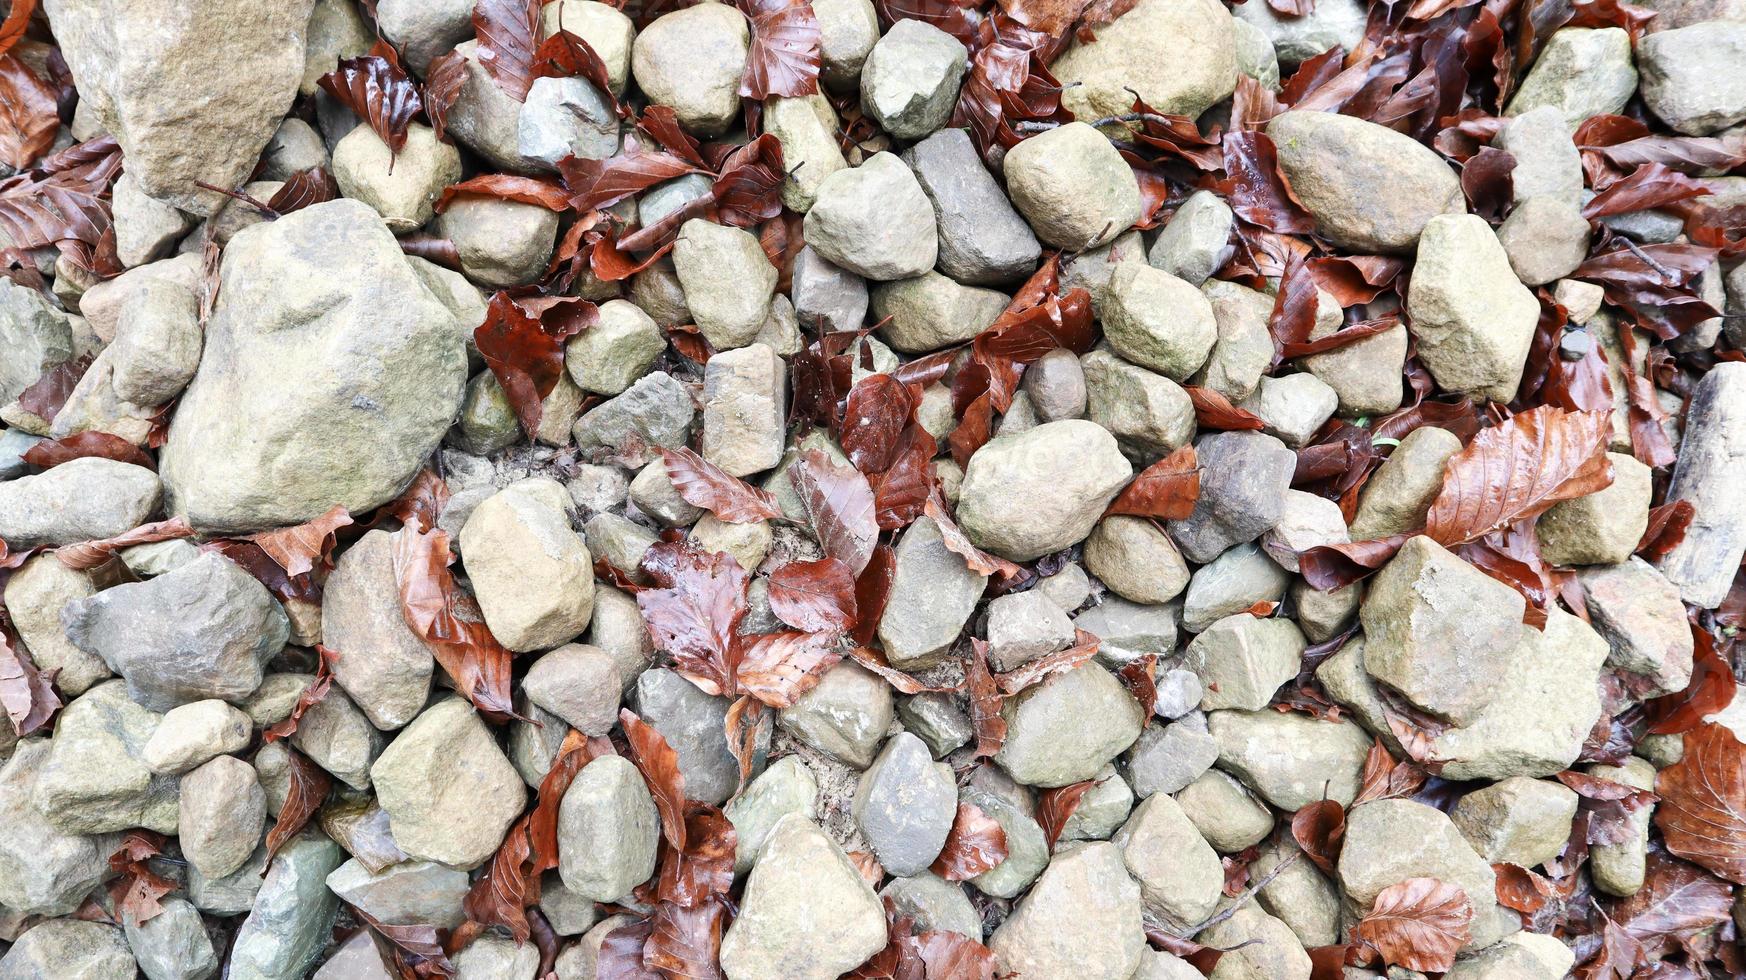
<point x="1126" y="490"/>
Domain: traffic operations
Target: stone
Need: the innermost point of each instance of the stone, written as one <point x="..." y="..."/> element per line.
<point x="1601" y="528"/>
<point x="44" y="870"/>
<point x="1226" y="813"/>
<point x="1640" y="614"/>
<point x="747" y="544"/>
<point x="1055" y="385"/>
<point x="1471" y="317"/>
<point x="227" y="626"/>
<point x="1136" y="560"/>
<point x="606" y="29"/>
<point x="172" y="945"/>
<point x="1092" y="269"/>
<point x="1619" y="869"/>
<point x="1528" y="955"/>
<point x="269" y="433"/>
<point x="295" y="146"/>
<point x="933" y="593"/>
<point x="1026" y="495"/>
<point x="905" y="804"/>
<point x="449" y="791"/>
<point x="1365" y="374"/>
<point x="1292" y="407"/>
<point x="1067" y="727"/>
<point x="909" y="81"/>
<point x="1156" y="964"/>
<point x="14" y="443"/>
<point x="1244" y="349"/>
<point x="578" y="683"/>
<point x="597" y="488"/>
<point x="146" y="229"/>
<point x="845" y="716"/>
<point x="34" y="596"/>
<point x="35" y="334"/>
<point x="1102" y="810"/>
<point x="1256" y="59"/>
<point x="73" y="949"/>
<point x="806" y="127"/>
<point x="424" y="29"/>
<point x="223" y="814"/>
<point x="1581" y="299"/>
<point x="273" y="700"/>
<point x="691" y="60"/>
<point x="935" y="718"/>
<point x="1299" y="895"/>
<point x="1389" y="841"/>
<point x="1420" y="602"/>
<point x="827" y="297"/>
<point x="656" y="411"/>
<point x="1232" y="583"/>
<point x="1166" y="758"/>
<point x="727" y="280"/>
<point x="1707" y="473"/>
<point x="693" y="723"/>
<point x="402" y="186"/>
<point x="498" y="957"/>
<point x="1129" y="630"/>
<point x="1242" y="660"/>
<point x="1323" y="615"/>
<point x="806" y="912"/>
<point x="618" y="540"/>
<point x="745" y="399"/>
<point x="565" y="117"/>
<point x="1582" y="72"/>
<point x="337" y="737"/>
<point x="157" y="344"/>
<point x="848" y="29"/>
<point x="80" y="500"/>
<point x="1081" y="919"/>
<point x="607" y="830"/>
<point x="1147" y="412"/>
<point x="1195" y="242"/>
<point x="1547" y="161"/>
<point x="233" y="894"/>
<point x="934" y="904"/>
<point x="1069" y="587"/>
<point x="786" y="787"/>
<point x="1244" y="477"/>
<point x="1027" y="850"/>
<point x="1178" y="55"/>
<point x="618" y="349"/>
<point x="532" y="574"/>
<point x="1517" y="820"/>
<point x="874" y="220"/>
<point x="1179" y="874"/>
<point x="1178" y="692"/>
<point x="1309" y="521"/>
<point x="930" y="311"/>
<point x="1296" y="39"/>
<point x="1071" y="185"/>
<point x="1400" y="491"/>
<point x="501" y="243"/>
<point x="1369" y="188"/>
<point x="982" y="240"/>
<point x="618" y="628"/>
<point x="191" y="734"/>
<point x="406" y="893"/>
<point x="1265" y="948"/>
<point x="1687" y="76"/>
<point x="569" y="913"/>
<point x="293" y="912"/>
<point x="140" y="66"/>
<point x="1291" y="759"/>
<point x="382" y="665"/>
<point x="1545" y="238"/>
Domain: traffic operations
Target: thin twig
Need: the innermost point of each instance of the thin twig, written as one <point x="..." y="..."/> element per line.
<point x="1660" y="270"/>
<point x="1247" y="896"/>
<point x="268" y="212"/>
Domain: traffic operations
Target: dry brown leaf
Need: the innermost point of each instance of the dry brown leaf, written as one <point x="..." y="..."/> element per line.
<point x="1519" y="468"/>
<point x="1419" y="923"/>
<point x="1702" y="813"/>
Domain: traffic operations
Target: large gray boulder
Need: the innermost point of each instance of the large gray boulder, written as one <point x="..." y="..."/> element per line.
<point x="191" y="89"/>
<point x="331" y="372"/>
<point x="95" y="779"/>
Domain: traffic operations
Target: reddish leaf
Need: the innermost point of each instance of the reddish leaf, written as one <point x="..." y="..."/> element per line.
<point x="1385" y="779"/>
<point x="1609" y="805"/>
<point x="1214" y="411"/>
<point x="814" y="596"/>
<point x="955" y="19"/>
<point x="706" y="867"/>
<point x="659" y="764"/>
<point x="509" y="37"/>
<point x="686" y="942"/>
<point x="442" y="86"/>
<point x="749" y="190"/>
<point x="1488" y="180"/>
<point x="48" y="393"/>
<point x="1702" y="815"/>
<point x="1651" y="185"/>
<point x="442" y="251"/>
<point x="1083" y="649"/>
<point x="1677" y="900"/>
<point x="1258" y="192"/>
<point x="1355" y="279"/>
<point x="661" y="124"/>
<point x="53" y="452"/>
<point x="694" y="613"/>
<point x="621" y="953"/>
<point x="985" y="701"/>
<point x="1055" y="806"/>
<point x="302" y="189"/>
<point x="706" y="485"/>
<point x="947" y="955"/>
<point x="307" y="787"/>
<point x="509" y="187"/>
<point x="414" y="950"/>
<point x="1419" y="923"/>
<point x="87" y="555"/>
<point x="311" y="696"/>
<point x="525" y="353"/>
<point x="379" y="92"/>
<point x="136" y="890"/>
<point x="1166" y="490"/>
<point x="901" y="492"/>
<point x="975" y="844"/>
<point x="839" y="506"/>
<point x="419" y="504"/>
<point x="784" y="55"/>
<point x="1711" y="689"/>
<point x="603" y="183"/>
<point x="1666" y="529"/>
<point x="28" y="697"/>
<point x="872" y="590"/>
<point x="879" y="408"/>
<point x="959" y="544"/>
<point x="448" y="621"/>
<point x="1336" y="566"/>
<point x="1520" y="889"/>
<point x="1138" y="676"/>
<point x="875" y="661"/>
<point x="29" y="113"/>
<point x="565" y="54"/>
<point x="746" y="724"/>
<point x="297" y="549"/>
<point x="16" y="23"/>
<point x="777" y="668"/>
<point x="1319" y="829"/>
<point x="1518" y="469"/>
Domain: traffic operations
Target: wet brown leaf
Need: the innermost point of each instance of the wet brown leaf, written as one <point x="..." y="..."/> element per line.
<point x="526" y="352"/>
<point x="957" y="542"/>
<point x="901" y="492"/>
<point x="1214" y="411"/>
<point x="1055" y="806"/>
<point x="1521" y="889"/>
<point x="749" y="190"/>
<point x="311" y="696"/>
<point x="1319" y="829"/>
<point x="442" y="86"/>
<point x="378" y="91"/>
<point x="547" y="194"/>
<point x="1385" y="779"/>
<point x="686" y="941"/>
<point x="706" y="867"/>
<point x="1711" y="689"/>
<point x="137" y="888"/>
<point x="1166" y="490"/>
<point x="839" y="506"/>
<point x="509" y="37"/>
<point x="448" y="621"/>
<point x="975" y="844"/>
<point x="985" y="701"/>
<point x="1080" y="653"/>
<point x="299" y="549"/>
<point x="87" y="555"/>
<point x="1419" y="923"/>
<point x="603" y="183"/>
<point x="878" y="410"/>
<point x="777" y="668"/>
<point x="814" y="596"/>
<point x="784" y="55"/>
<point x="28" y="697"/>
<point x="694" y="612"/>
<point x="29" y="113"/>
<point x="872" y="591"/>
<point x="1609" y="805"/>
<point x="1258" y="192"/>
<point x="53" y="452"/>
<point x="1702" y="814"/>
<point x="1519" y="468"/>
<point x="706" y="485"/>
<point x="659" y="764"/>
<point x="308" y="785"/>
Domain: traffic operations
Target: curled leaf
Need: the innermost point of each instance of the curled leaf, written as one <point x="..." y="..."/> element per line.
<point x="1419" y="923"/>
<point x="1165" y="490"/>
<point x="659" y="764"/>
<point x="975" y="844"/>
<point x="1519" y="468"/>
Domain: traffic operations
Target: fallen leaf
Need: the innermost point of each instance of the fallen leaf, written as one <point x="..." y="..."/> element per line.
<point x="1609" y="805"/>
<point x="307" y="785"/>
<point x="659" y="764"/>
<point x="1166" y="490"/>
<point x="878" y="411"/>
<point x="46" y="395"/>
<point x="448" y="621"/>
<point x="509" y="37"/>
<point x="312" y="695"/>
<point x="1214" y="411"/>
<point x="416" y="950"/>
<point x="1384" y="778"/>
<point x="1256" y="189"/>
<point x="16" y="23"/>
<point x="872" y="591"/>
<point x="706" y="485"/>
<point x="87" y="555"/>
<point x="1335" y="566"/>
<point x="1319" y="829"/>
<point x="1702" y="814"/>
<point x="777" y="668"/>
<point x="839" y="506"/>
<point x="603" y="183"/>
<point x="419" y="504"/>
<point x="1667" y="526"/>
<point x="1036" y="671"/>
<point x="957" y="542"/>
<point x="302" y="189"/>
<point x="508" y="187"/>
<point x="784" y="55"/>
<point x="686" y="941"/>
<point x="705" y="868"/>
<point x="1520" y="889"/>
<point x="814" y="596"/>
<point x="1711" y="689"/>
<point x="29" y="113"/>
<point x="565" y="55"/>
<point x="901" y="492"/>
<point x="621" y="953"/>
<point x="525" y="353"/>
<point x="102" y="445"/>
<point x="695" y="610"/>
<point x="28" y="697"/>
<point x="948" y="955"/>
<point x="1055" y="806"/>
<point x="985" y="701"/>
<point x="975" y="844"/>
<point x="298" y="549"/>
<point x="1651" y="185"/>
<point x="749" y="190"/>
<point x="875" y="661"/>
<point x="1138" y="676"/>
<point x="379" y="92"/>
<point x="1677" y="900"/>
<point x="1519" y="468"/>
<point x="1488" y="180"/>
<point x="442" y="86"/>
<point x="1419" y="923"/>
<point x="137" y="888"/>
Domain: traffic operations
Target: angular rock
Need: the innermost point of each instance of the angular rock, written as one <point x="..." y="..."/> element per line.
<point x="383" y="665"/>
<point x="337" y="737"/>
<point x="788" y="786"/>
<point x="1263" y="947"/>
<point x="1055" y="384"/>
<point x="1299" y="895"/>
<point x="1244" y="477"/>
<point x="1230" y="584"/>
<point x="1309" y="521"/>
<point x="1547" y="161"/>
<point x="1244" y="348"/>
<point x="1517" y="820"/>
<point x="1472" y="319"/>
<point x="1643" y="620"/>
<point x="223" y="813"/>
<point x="272" y="431"/>
<point x="845" y="716"/>
<point x="69" y="948"/>
<point x="1136" y="560"/>
<point x="146" y="228"/>
<point x="1149" y="413"/>
<point x="424" y="29"/>
<point x="1707" y="474"/>
<point x="1129" y="630"/>
<point x="498" y="956"/>
<point x="931" y="311"/>
<point x="727" y="280"/>
<point x="745" y="399"/>
<point x="607" y="830"/>
<point x="1026" y="495"/>
<point x="157" y="344"/>
<point x="982" y="240"/>
<point x="578" y="683"/>
<point x="934" y="904"/>
<point x="655" y="411"/>
<point x="1178" y="55"/>
<point x="827" y="297"/>
<point x="1195" y="241"/>
<point x="1082" y="919"/>
<point x="691" y="59"/>
<point x="806" y="127"/>
<point x="1180" y="876"/>
<point x="533" y="575"/>
<point x="1067" y="727"/>
<point x="401" y="185"/>
<point x="1363" y="373"/>
<point x="225" y="628"/>
<point x="1545" y="238"/>
<point x="874" y="220"/>
<point x="1027" y="850"/>
<point x="565" y="117"/>
<point x="1400" y="491"/>
<point x="172" y="945"/>
<point x="905" y="804"/>
<point x="1689" y="76"/>
<point x="44" y="870"/>
<point x="933" y="593"/>
<point x="693" y="723"/>
<point x="1389" y="841"/>
<point x="1230" y="817"/>
<point x="1024" y="626"/>
<point x="1166" y="758"/>
<point x="1072" y="186"/>
<point x="1618" y="869"/>
<point x="35" y="595"/>
<point x="1603" y="527"/>
<point x="1370" y="188"/>
<point x="449" y="791"/>
<point x="293" y="913"/>
<point x="935" y="718"/>
<point x="1242" y="660"/>
<point x="806" y="912"/>
<point x="409" y="893"/>
<point x="1291" y="759"/>
<point x="610" y="356"/>
<point x="1582" y="72"/>
<point x="191" y="734"/>
<point x="1292" y="408"/>
<point x="35" y="334"/>
<point x="909" y="81"/>
<point x="80" y="500"/>
<point x="747" y="544"/>
<point x="1102" y="810"/>
<point x="1300" y="38"/>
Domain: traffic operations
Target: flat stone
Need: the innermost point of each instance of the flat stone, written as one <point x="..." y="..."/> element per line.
<point x="449" y="791"/>
<point x="1178" y="55"/>
<point x="909" y="81"/>
<point x="1026" y="495"/>
<point x="1149" y="413"/>
<point x="578" y="683"/>
<point x="982" y="240"/>
<point x="1688" y="81"/>
<point x="1242" y="660"/>
<point x="933" y="593"/>
<point x="1640" y="614"/>
<point x="745" y="409"/>
<point x="691" y="59"/>
<point x="1072" y="186"/>
<point x="1179" y="874"/>
<point x="1136" y="560"/>
<point x="1547" y="161"/>
<point x="827" y="298"/>
<point x="1581" y="71"/>
<point x="905" y="804"/>
<point x="806" y="912"/>
<point x="934" y="904"/>
<point x="80" y="500"/>
<point x="293" y="912"/>
<point x="382" y="664"/>
<point x="44" y="870"/>
<point x="1370" y="188"/>
<point x="1067" y="727"/>
<point x="191" y="734"/>
<point x="1166" y="758"/>
<point x="1707" y="472"/>
<point x="1400" y="491"/>
<point x="845" y="716"/>
<point x="1291" y="759"/>
<point x="874" y="220"/>
<point x="607" y="830"/>
<point x="1128" y="630"/>
<point x="1024" y="626"/>
<point x="1517" y="820"/>
<point x="1244" y="477"/>
<point x="1195" y="242"/>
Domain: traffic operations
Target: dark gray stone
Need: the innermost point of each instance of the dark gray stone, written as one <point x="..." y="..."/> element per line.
<point x="693" y="723"/>
<point x="905" y="805"/>
<point x="1244" y="477"/>
<point x="983" y="241"/>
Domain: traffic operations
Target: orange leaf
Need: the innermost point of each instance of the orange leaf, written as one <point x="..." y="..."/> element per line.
<point x="659" y="764"/>
<point x="448" y="621"/>
<point x="975" y="844"/>
<point x="1418" y="923"/>
<point x="1166" y="490"/>
<point x="1518" y="469"/>
<point x="296" y="549"/>
<point x="1703" y="802"/>
<point x="704" y="484"/>
<point x="777" y="668"/>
